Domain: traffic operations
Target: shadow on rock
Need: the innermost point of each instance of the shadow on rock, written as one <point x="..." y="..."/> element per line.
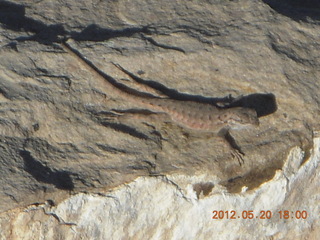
<point x="12" y="16"/>
<point x="298" y="10"/>
<point x="263" y="103"/>
<point x="60" y="179"/>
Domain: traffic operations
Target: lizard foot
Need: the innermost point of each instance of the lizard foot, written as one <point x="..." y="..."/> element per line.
<point x="238" y="155"/>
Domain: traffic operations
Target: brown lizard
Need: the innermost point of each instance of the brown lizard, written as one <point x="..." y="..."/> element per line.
<point x="197" y="115"/>
<point x="189" y="114"/>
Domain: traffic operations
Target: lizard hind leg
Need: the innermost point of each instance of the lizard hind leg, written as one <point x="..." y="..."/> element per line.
<point x="238" y="155"/>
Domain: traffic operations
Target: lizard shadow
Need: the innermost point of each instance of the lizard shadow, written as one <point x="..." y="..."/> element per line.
<point x="263" y="103"/>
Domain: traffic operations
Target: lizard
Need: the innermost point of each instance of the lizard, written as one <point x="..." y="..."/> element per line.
<point x="187" y="114"/>
<point x="199" y="116"/>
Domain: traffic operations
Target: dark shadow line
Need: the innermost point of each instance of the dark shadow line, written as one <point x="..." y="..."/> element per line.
<point x="125" y="129"/>
<point x="107" y="77"/>
<point x="173" y="93"/>
<point x="155" y="43"/>
<point x="12" y="16"/>
<point x="297" y="10"/>
<point x="95" y="33"/>
<point x="60" y="179"/>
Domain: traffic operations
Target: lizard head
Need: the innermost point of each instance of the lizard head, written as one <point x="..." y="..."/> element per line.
<point x="239" y="117"/>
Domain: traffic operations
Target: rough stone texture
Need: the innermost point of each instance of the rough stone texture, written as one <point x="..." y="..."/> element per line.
<point x="55" y="139"/>
<point x="170" y="208"/>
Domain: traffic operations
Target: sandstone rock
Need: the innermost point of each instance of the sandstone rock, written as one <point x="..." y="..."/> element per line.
<point x="170" y="208"/>
<point x="58" y="145"/>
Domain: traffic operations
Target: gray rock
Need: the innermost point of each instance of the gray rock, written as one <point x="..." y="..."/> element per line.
<point x="56" y="136"/>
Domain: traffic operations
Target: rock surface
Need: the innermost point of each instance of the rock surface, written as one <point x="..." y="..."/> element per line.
<point x="64" y="162"/>
<point x="170" y="208"/>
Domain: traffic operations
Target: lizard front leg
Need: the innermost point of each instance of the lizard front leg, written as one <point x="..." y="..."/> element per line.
<point x="236" y="151"/>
